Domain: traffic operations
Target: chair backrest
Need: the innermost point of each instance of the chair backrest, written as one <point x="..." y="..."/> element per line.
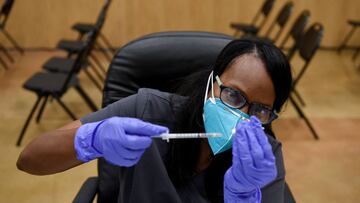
<point x="81" y="57"/>
<point x="103" y="12"/>
<point x="264" y="11"/>
<point x="297" y="30"/>
<point x="157" y="60"/>
<point x="308" y="45"/>
<point x="5" y="11"/>
<point x="281" y="19"/>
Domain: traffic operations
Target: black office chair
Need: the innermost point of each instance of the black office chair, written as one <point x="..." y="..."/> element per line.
<point x="308" y="45"/>
<point x="296" y="32"/>
<point x="55" y="85"/>
<point x="280" y="21"/>
<point x="4" y="16"/>
<point x="84" y="28"/>
<point x="153" y="61"/>
<point x="252" y="28"/>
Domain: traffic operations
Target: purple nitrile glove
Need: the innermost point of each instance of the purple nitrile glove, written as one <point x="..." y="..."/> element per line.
<point x="253" y="163"/>
<point x="121" y="141"/>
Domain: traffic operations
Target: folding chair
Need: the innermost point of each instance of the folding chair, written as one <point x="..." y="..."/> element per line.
<point x="73" y="46"/>
<point x="308" y="46"/>
<point x="4" y="15"/>
<point x="55" y="85"/>
<point x="280" y="20"/>
<point x="354" y="25"/>
<point x="252" y="28"/>
<point x="84" y="28"/>
<point x="296" y="32"/>
<point x="153" y="61"/>
<point x="64" y="65"/>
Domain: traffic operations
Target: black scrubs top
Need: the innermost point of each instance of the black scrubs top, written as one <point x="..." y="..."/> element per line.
<point x="148" y="180"/>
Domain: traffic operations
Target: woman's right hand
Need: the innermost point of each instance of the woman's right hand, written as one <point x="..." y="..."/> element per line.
<point x="121" y="141"/>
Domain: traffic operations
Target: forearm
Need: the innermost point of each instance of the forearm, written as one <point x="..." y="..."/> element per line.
<point x="51" y="152"/>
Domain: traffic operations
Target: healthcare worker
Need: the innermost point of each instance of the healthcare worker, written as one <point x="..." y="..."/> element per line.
<point x="240" y="97"/>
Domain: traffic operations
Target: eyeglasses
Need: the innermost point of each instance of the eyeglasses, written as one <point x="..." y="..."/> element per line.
<point x="236" y="99"/>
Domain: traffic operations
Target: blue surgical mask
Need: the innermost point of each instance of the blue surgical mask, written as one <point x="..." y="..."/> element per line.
<point x="219" y="118"/>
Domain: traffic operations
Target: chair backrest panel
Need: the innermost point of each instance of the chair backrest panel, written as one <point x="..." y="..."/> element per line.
<point x="299" y="25"/>
<point x="5" y="11"/>
<point x="157" y="60"/>
<point x="6" y="7"/>
<point x="284" y="14"/>
<point x="310" y="41"/>
<point x="267" y="6"/>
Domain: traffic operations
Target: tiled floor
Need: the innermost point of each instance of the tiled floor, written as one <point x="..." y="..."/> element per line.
<point x="327" y="170"/>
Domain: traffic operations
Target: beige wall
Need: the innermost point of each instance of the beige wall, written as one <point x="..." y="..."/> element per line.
<point x="41" y="23"/>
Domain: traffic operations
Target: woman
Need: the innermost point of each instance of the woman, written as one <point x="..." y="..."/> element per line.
<point x="250" y="82"/>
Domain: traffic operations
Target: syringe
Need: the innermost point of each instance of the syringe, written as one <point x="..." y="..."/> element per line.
<point x="168" y="136"/>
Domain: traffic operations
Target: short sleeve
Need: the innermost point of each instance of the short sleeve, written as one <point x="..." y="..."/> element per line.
<point x="125" y="107"/>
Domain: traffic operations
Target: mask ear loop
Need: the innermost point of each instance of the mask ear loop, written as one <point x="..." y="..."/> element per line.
<point x="210" y="79"/>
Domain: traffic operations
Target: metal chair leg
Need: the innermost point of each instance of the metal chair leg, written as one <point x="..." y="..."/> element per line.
<point x="87" y="99"/>
<point x="103" y="51"/>
<point x="355" y="54"/>
<point x="12" y="40"/>
<point x="22" y="133"/>
<point x="107" y="43"/>
<point x="11" y="59"/>
<point x="298" y="96"/>
<point x="2" y="62"/>
<point x="96" y="71"/>
<point x="41" y="109"/>
<point x="67" y="110"/>
<point x="93" y="80"/>
<point x="97" y="62"/>
<point x="303" y="116"/>
<point x="348" y="36"/>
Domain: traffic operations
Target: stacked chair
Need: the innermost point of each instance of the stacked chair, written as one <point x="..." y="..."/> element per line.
<point x="307" y="46"/>
<point x="4" y="16"/>
<point x="54" y="83"/>
<point x="280" y="22"/>
<point x="84" y="28"/>
<point x="73" y="46"/>
<point x="242" y="29"/>
<point x="63" y="65"/>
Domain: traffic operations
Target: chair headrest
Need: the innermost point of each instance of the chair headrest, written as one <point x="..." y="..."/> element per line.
<point x="157" y="60"/>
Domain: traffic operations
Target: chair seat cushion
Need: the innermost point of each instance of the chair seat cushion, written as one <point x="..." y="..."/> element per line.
<point x="250" y="29"/>
<point x="49" y="82"/>
<point x="83" y="28"/>
<point x="71" y="45"/>
<point x="58" y="64"/>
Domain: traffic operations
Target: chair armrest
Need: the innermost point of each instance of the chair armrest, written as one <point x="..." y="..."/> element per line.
<point x="288" y="196"/>
<point x="87" y="191"/>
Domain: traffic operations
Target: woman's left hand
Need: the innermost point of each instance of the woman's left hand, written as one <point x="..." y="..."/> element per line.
<point x="253" y="162"/>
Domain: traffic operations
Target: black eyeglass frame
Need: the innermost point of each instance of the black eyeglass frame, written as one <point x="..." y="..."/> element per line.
<point x="272" y="116"/>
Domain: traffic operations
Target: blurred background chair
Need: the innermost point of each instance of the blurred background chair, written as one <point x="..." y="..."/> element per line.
<point x="354" y="25"/>
<point x="296" y="32"/>
<point x="54" y="85"/>
<point x="308" y="45"/>
<point x="72" y="46"/>
<point x="254" y="27"/>
<point x="280" y="22"/>
<point x="64" y="65"/>
<point x="4" y="16"/>
<point x="153" y="61"/>
<point x="84" y="28"/>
